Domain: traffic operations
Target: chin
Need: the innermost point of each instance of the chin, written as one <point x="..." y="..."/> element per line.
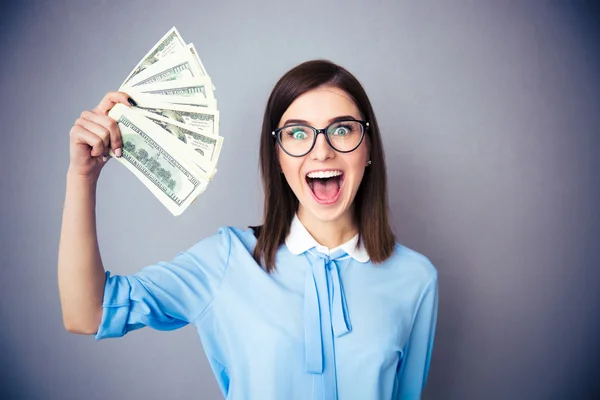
<point x="325" y="213"/>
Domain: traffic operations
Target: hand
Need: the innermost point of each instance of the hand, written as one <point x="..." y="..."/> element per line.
<point x="94" y="134"/>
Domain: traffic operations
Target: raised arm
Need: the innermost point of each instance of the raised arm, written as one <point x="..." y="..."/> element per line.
<point x="81" y="276"/>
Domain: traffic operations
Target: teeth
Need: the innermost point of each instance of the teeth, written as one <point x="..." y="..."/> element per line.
<point x="324" y="174"/>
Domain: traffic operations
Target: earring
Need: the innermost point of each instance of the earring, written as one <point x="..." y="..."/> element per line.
<point x="368" y="163"/>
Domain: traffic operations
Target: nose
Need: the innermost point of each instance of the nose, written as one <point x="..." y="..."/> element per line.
<point x="322" y="150"/>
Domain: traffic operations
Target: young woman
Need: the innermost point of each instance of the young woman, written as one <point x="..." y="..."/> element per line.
<point x="319" y="302"/>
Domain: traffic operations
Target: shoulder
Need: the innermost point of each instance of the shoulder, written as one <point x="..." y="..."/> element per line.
<point x="408" y="262"/>
<point x="227" y="238"/>
<point x="214" y="252"/>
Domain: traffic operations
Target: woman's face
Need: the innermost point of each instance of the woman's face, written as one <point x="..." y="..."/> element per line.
<point x="321" y="198"/>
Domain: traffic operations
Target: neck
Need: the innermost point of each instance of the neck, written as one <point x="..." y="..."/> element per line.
<point x="329" y="233"/>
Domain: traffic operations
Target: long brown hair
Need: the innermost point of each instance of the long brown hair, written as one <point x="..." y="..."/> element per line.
<point x="371" y="201"/>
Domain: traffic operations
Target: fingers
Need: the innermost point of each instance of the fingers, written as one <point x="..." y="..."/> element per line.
<point x="94" y="133"/>
<point x="112" y="98"/>
<point x="80" y="135"/>
<point x="96" y="129"/>
<point x="105" y="127"/>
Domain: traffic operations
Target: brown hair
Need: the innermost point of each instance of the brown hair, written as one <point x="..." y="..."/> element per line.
<point x="280" y="206"/>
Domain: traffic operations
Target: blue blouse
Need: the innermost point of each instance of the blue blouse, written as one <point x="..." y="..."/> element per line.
<point x="322" y="326"/>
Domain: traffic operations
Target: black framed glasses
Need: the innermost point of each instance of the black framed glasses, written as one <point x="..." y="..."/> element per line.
<point x="343" y="136"/>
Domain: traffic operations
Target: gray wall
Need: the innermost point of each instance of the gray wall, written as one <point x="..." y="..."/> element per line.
<point x="490" y="117"/>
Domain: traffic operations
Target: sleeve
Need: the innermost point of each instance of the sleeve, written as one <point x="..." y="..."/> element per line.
<point x="166" y="295"/>
<point x="415" y="366"/>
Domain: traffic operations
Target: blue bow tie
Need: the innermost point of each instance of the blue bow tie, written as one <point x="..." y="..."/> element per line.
<point x="325" y="310"/>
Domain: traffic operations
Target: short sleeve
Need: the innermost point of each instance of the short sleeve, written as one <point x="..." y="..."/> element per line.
<point x="412" y="375"/>
<point x="166" y="295"/>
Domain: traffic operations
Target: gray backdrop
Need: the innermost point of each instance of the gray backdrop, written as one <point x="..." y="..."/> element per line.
<point x="490" y="116"/>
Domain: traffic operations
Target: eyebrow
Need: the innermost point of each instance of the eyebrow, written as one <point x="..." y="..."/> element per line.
<point x="332" y="120"/>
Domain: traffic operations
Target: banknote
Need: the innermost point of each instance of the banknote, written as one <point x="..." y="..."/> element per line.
<point x="192" y="50"/>
<point x="207" y="147"/>
<point x="204" y="120"/>
<point x="194" y="87"/>
<point x="171" y="139"/>
<point x="170" y="43"/>
<point x="149" y="99"/>
<point x="152" y="155"/>
<point x="179" y="65"/>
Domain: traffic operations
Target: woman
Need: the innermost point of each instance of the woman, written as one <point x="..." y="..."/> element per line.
<point x="319" y="302"/>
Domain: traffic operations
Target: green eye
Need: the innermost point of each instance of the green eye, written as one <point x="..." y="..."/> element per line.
<point x="299" y="134"/>
<point x="341" y="131"/>
<point x="296" y="133"/>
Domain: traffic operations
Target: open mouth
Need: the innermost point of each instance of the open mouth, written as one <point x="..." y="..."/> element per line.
<point x="325" y="186"/>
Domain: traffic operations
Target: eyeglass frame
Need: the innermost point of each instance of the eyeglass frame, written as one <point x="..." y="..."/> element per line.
<point x="364" y="124"/>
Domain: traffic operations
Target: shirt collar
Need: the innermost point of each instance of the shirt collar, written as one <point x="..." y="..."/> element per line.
<point x="300" y="240"/>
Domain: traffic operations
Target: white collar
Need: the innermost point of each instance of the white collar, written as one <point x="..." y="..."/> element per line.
<point x="300" y="240"/>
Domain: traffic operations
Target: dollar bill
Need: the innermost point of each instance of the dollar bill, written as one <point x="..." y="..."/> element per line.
<point x="192" y="50"/>
<point x="152" y="155"/>
<point x="205" y="146"/>
<point x="180" y="65"/>
<point x="202" y="119"/>
<point x="149" y="100"/>
<point x="170" y="43"/>
<point x="193" y="88"/>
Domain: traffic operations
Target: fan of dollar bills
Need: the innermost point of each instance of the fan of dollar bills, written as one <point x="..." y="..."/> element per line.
<point x="171" y="137"/>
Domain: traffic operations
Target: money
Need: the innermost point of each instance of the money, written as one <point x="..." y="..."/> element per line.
<point x="171" y="138"/>
<point x="149" y="99"/>
<point x="192" y="50"/>
<point x="180" y="65"/>
<point x="170" y="43"/>
<point x="194" y="53"/>
<point x="203" y="120"/>
<point x="152" y="155"/>
<point x="195" y="87"/>
<point x="206" y="147"/>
